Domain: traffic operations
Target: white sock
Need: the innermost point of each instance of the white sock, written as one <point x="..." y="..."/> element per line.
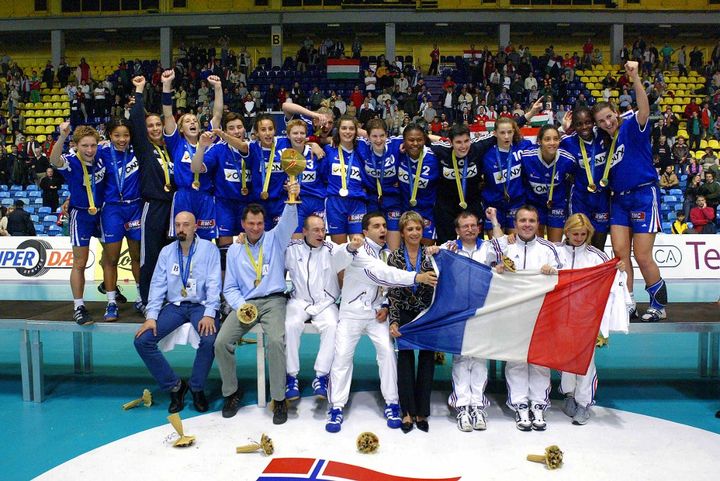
<point x="77" y="303"/>
<point x="111" y="297"/>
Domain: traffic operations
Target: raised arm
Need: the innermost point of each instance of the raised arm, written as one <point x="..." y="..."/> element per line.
<point x="137" y="116"/>
<point x="216" y="121"/>
<point x="206" y="140"/>
<point x="641" y="98"/>
<point x="56" y="154"/>
<point x="169" y="124"/>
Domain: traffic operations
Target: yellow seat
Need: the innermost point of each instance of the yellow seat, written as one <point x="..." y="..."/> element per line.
<point x="66" y="113"/>
<point x="30" y="122"/>
<point x="703" y="144"/>
<point x="698" y="154"/>
<point x="50" y="129"/>
<point x="677" y="109"/>
<point x="41" y="138"/>
<point x="30" y="129"/>
<point x="714" y="144"/>
<point x="29" y="113"/>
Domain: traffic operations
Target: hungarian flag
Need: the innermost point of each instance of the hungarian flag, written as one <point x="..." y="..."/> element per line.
<point x="547" y="320"/>
<point x="345" y="68"/>
<point x="295" y="469"/>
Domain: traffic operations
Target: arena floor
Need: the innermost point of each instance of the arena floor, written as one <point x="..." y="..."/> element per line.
<point x="650" y="400"/>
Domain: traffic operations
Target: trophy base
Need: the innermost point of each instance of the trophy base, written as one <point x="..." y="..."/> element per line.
<point x="293" y="201"/>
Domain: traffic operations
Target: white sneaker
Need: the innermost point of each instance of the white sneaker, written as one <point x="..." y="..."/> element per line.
<point x="522" y="418"/>
<point x="464" y="421"/>
<point x="582" y="416"/>
<point x="653" y="315"/>
<point x="478" y="418"/>
<point x="569" y="406"/>
<point x="538" y="417"/>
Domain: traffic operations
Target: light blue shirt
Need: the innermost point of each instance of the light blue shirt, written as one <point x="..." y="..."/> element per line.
<point x="240" y="274"/>
<point x="204" y="272"/>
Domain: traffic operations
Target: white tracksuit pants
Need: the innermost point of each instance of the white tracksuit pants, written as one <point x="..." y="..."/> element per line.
<point x="527" y="384"/>
<point x="582" y="387"/>
<point x="469" y="376"/>
<point x="325" y="322"/>
<point x="347" y="336"/>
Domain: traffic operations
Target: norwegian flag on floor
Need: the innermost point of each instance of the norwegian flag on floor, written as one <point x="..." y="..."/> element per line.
<point x="294" y="469"/>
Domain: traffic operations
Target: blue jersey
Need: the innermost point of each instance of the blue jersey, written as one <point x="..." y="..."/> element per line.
<point x="380" y="168"/>
<point x="73" y="173"/>
<point x="632" y="162"/>
<point x="311" y="182"/>
<point x="228" y="164"/>
<point x="537" y="176"/>
<point x="123" y="174"/>
<point x="595" y="152"/>
<point x="181" y="152"/>
<point x="427" y="182"/>
<point x="496" y="165"/>
<point x="332" y="172"/>
<point x="259" y="157"/>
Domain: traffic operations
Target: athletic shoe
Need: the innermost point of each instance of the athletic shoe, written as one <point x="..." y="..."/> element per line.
<point x="139" y="307"/>
<point x="231" y="404"/>
<point x="292" y="390"/>
<point x="522" y="418"/>
<point x="279" y="412"/>
<point x="111" y="312"/>
<point x="632" y="311"/>
<point x="653" y="315"/>
<point x="464" y="420"/>
<point x="582" y="416"/>
<point x="320" y="385"/>
<point x="334" y="420"/>
<point x="392" y="414"/>
<point x="538" y="417"/>
<point x="479" y="418"/>
<point x="82" y="316"/>
<point x="118" y="293"/>
<point x="570" y="406"/>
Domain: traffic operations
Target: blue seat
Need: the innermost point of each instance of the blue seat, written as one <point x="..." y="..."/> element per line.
<point x="16" y="188"/>
<point x="50" y="218"/>
<point x="44" y="210"/>
<point x="38" y="201"/>
<point x="4" y="195"/>
<point x="671" y="216"/>
<point x="679" y="206"/>
<point x="4" y="188"/>
<point x="35" y="193"/>
<point x="32" y="187"/>
<point x="666" y="226"/>
<point x="6" y="202"/>
<point x="54" y="230"/>
<point x="669" y="198"/>
<point x="35" y="218"/>
<point x="39" y="228"/>
<point x="30" y="209"/>
<point x="676" y="192"/>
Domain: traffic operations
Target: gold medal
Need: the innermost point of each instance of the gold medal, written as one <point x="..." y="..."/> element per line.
<point x="167" y="187"/>
<point x="257" y="282"/>
<point x="196" y="185"/>
<point x="603" y="182"/>
<point x="549" y="204"/>
<point x="592" y="188"/>
<point x="264" y="195"/>
<point x="244" y="191"/>
<point x="463" y="205"/>
<point x="183" y="292"/>
<point x="413" y="202"/>
<point x="380" y="200"/>
<point x="343" y="192"/>
<point x="92" y="210"/>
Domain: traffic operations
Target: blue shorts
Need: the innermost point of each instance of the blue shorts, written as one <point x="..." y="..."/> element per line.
<point x="637" y="209"/>
<point x="228" y="214"/>
<point x="505" y="213"/>
<point x="202" y="206"/>
<point x="83" y="226"/>
<point x="121" y="220"/>
<point x="310" y="206"/>
<point x="554" y="217"/>
<point x="391" y="207"/>
<point x="344" y="216"/>
<point x="595" y="206"/>
<point x="428" y="223"/>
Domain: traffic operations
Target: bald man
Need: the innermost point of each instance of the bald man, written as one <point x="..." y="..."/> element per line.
<point x="188" y="282"/>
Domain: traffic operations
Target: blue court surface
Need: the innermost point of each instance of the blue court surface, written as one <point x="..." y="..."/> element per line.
<point x="651" y="374"/>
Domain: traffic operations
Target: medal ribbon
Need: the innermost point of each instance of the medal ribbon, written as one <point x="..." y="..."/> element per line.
<point x="381" y="178"/>
<point x="608" y="160"/>
<point x="552" y="176"/>
<point x="89" y="183"/>
<point x="266" y="171"/>
<point x="506" y="186"/>
<point x="185" y="269"/>
<point x="119" y="177"/>
<point x="409" y="266"/>
<point x="164" y="156"/>
<point x="345" y="172"/>
<point x="418" y="171"/>
<point x="588" y="163"/>
<point x="460" y="187"/>
<point x="257" y="265"/>
<point x="240" y="168"/>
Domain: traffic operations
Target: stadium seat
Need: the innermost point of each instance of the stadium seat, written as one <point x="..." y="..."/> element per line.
<point x="44" y="210"/>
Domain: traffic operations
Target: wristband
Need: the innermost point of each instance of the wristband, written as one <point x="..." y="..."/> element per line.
<point x="167" y="98"/>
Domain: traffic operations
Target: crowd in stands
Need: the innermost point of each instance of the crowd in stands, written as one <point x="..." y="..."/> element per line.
<point x="474" y="88"/>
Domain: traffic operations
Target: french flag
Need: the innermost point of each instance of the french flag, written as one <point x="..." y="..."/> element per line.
<point x="294" y="469"/>
<point x="547" y="320"/>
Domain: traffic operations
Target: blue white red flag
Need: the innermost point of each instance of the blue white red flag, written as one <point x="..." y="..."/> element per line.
<point x="295" y="469"/>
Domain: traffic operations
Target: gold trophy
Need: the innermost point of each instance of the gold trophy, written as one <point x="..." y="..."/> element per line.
<point x="293" y="163"/>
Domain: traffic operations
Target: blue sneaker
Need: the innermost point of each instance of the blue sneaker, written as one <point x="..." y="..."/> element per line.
<point x="320" y="385"/>
<point x="392" y="414"/>
<point x="111" y="312"/>
<point x="292" y="390"/>
<point x="334" y="420"/>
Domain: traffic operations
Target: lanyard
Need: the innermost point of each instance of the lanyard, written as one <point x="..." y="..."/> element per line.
<point x="460" y="188"/>
<point x="119" y="177"/>
<point x="266" y="172"/>
<point x="608" y="161"/>
<point x="506" y="185"/>
<point x="409" y="266"/>
<point x="381" y="178"/>
<point x="240" y="168"/>
<point x="163" y="153"/>
<point x="196" y="176"/>
<point x="552" y="178"/>
<point x="185" y="269"/>
<point x="345" y="172"/>
<point x="89" y="183"/>
<point x="415" y="184"/>
<point x="589" y="164"/>
<point x="257" y="265"/>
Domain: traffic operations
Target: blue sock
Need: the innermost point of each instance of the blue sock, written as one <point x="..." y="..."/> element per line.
<point x="658" y="294"/>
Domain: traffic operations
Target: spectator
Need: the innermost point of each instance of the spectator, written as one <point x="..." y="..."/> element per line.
<point x="710" y="190"/>
<point x="702" y="217"/>
<point x="693" y="168"/>
<point x="4" y="212"/>
<point x="5" y="166"/>
<point x="434" y="60"/>
<point x="710" y="162"/>
<point x="694" y="129"/>
<point x="50" y="184"/>
<point x="668" y="179"/>
<point x="19" y="222"/>
<point x="680" y="153"/>
<point x="679" y="226"/>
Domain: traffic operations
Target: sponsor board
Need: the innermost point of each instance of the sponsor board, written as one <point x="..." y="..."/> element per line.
<point x="41" y="258"/>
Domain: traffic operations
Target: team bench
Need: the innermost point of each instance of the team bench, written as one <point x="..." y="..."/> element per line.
<point x="33" y="318"/>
